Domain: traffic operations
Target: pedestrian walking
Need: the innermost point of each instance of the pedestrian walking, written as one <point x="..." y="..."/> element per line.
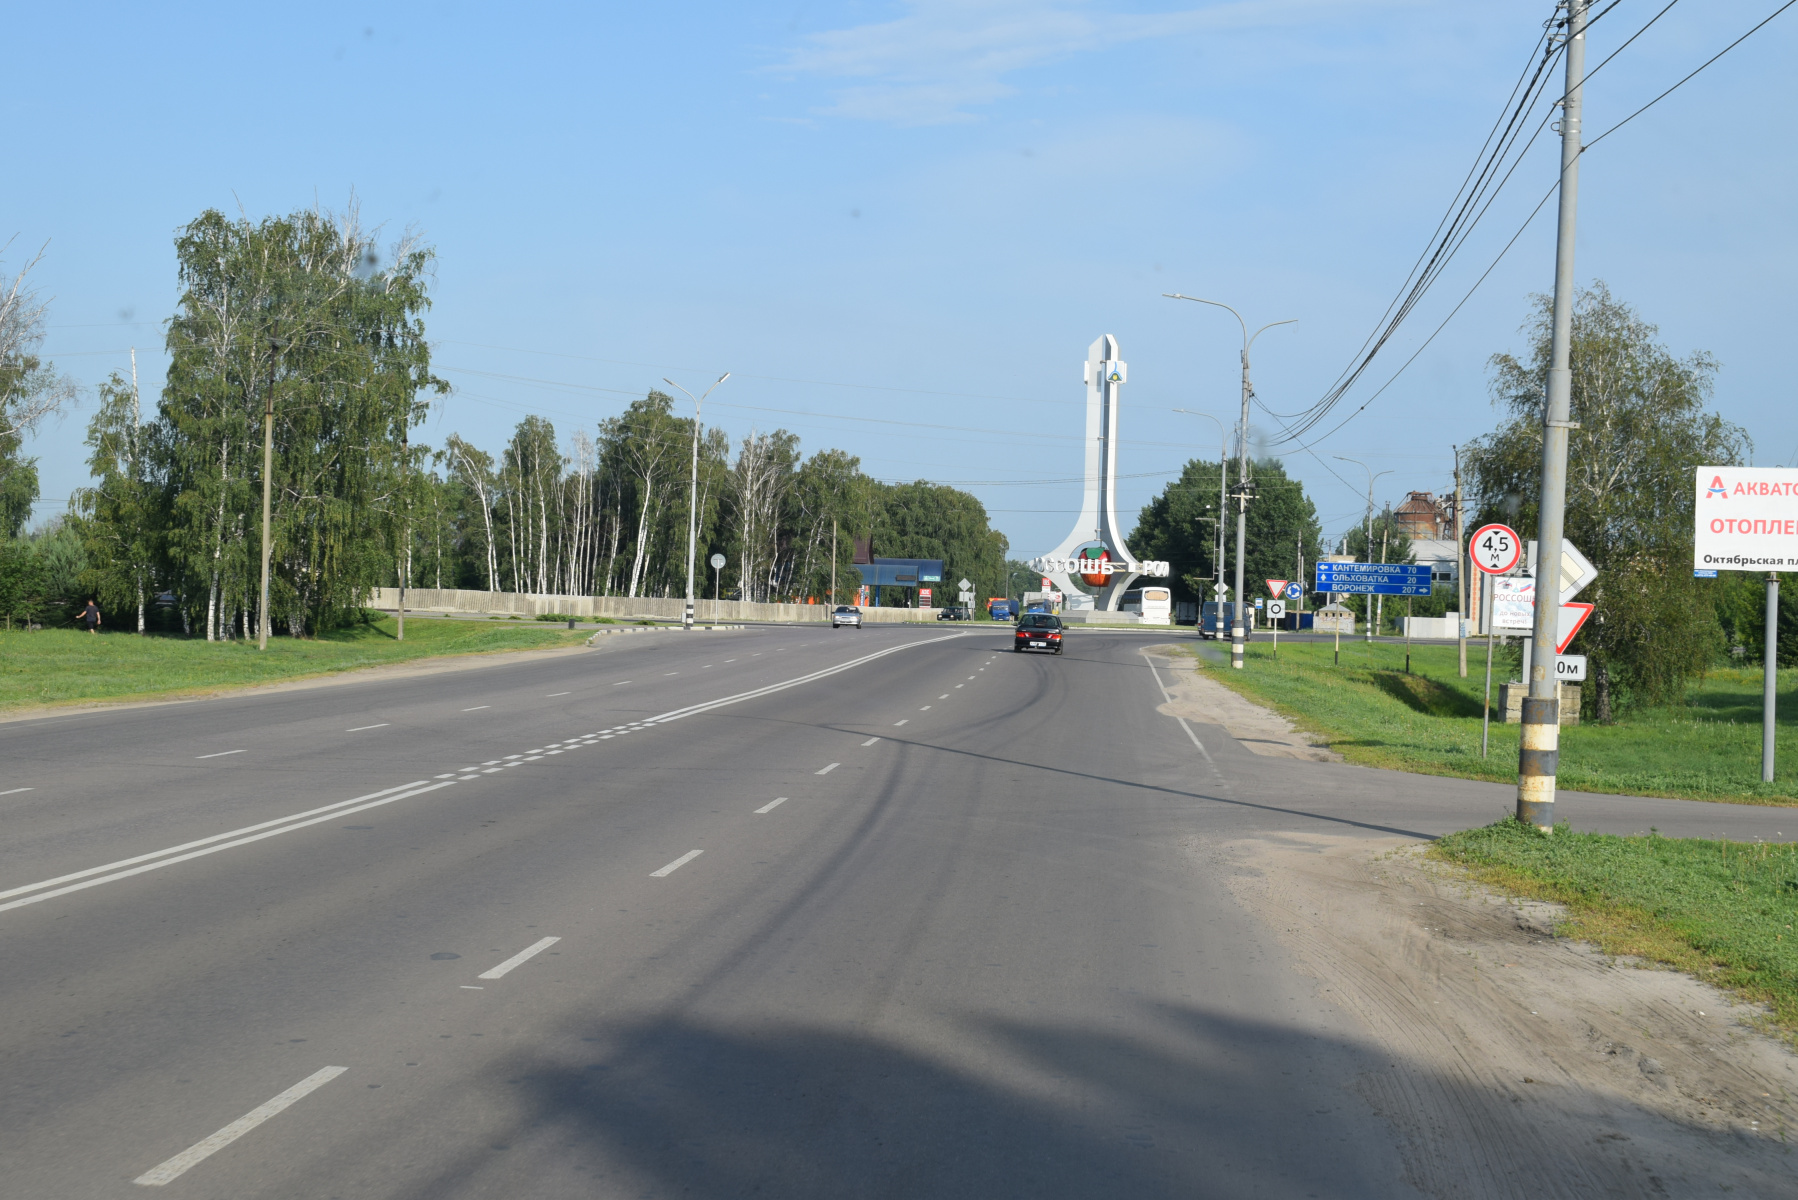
<point x="90" y="616"/>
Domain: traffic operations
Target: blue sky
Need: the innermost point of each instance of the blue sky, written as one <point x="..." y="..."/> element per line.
<point x="901" y="224"/>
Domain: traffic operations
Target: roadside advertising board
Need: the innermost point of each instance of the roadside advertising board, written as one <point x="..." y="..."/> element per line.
<point x="1744" y="519"/>
<point x="1374" y="579"/>
<point x="1514" y="602"/>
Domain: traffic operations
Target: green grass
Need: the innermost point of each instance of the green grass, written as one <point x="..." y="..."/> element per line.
<point x="1722" y="911"/>
<point x="1371" y="712"/>
<point x="66" y="666"/>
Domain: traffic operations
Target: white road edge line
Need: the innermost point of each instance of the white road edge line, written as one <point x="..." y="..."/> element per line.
<point x="828" y="770"/>
<point x="772" y="804"/>
<point x="360" y="728"/>
<point x="205" y="1148"/>
<point x="16" y="791"/>
<point x="221" y="754"/>
<point x="523" y="955"/>
<point x="676" y="865"/>
<point x="1168" y="696"/>
<point x="287" y="825"/>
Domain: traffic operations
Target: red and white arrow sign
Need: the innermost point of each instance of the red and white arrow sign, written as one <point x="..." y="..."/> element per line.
<point x="1571" y="618"/>
<point x="1276" y="586"/>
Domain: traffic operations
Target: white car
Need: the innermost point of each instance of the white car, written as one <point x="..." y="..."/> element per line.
<point x="845" y="615"/>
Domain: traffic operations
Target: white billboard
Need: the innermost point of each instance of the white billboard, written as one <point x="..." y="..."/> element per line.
<point x="1744" y="519"/>
<point x="1513" y="602"/>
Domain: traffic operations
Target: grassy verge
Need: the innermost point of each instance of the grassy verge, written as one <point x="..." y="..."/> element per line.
<point x="1373" y="713"/>
<point x="1717" y="910"/>
<point x="65" y="666"/>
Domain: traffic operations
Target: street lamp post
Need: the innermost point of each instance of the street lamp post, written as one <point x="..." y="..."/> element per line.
<point x="1242" y="487"/>
<point x="1223" y="473"/>
<point x="1367" y="527"/>
<point x="693" y="492"/>
<point x="275" y="346"/>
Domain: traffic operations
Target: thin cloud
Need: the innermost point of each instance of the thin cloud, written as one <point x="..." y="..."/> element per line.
<point x="944" y="57"/>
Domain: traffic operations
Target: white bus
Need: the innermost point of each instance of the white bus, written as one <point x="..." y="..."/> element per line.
<point x="1155" y="605"/>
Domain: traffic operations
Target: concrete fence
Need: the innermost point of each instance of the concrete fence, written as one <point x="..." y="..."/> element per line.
<point x="620" y="608"/>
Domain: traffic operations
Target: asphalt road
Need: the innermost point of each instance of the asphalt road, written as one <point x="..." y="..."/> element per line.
<point x="782" y="912"/>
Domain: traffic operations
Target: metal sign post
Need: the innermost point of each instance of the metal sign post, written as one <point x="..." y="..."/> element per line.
<point x="1770" y="673"/>
<point x="1493" y="550"/>
<point x="1276" y="612"/>
<point x="1486" y="700"/>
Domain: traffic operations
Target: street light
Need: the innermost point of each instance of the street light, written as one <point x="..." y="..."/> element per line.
<point x="1223" y="472"/>
<point x="693" y="491"/>
<point x="1242" y="491"/>
<point x="275" y="346"/>
<point x="1368" y="531"/>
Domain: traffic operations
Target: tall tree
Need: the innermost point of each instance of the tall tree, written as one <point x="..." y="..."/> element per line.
<point x="120" y="516"/>
<point x="1643" y="426"/>
<point x="1179" y="526"/>
<point x="30" y="390"/>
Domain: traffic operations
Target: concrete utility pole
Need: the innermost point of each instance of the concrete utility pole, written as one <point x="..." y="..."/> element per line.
<point x="1242" y="486"/>
<point x="1538" y="754"/>
<point x="1461" y="567"/>
<point x="693" y="493"/>
<point x="833" y="562"/>
<point x="1223" y="481"/>
<point x="275" y="346"/>
<point x="405" y="533"/>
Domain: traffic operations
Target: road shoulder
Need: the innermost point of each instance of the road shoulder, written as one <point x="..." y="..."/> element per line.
<point x="1196" y="698"/>
<point x="1513" y="1050"/>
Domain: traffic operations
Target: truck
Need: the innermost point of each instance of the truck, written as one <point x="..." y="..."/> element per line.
<point x="1000" y="609"/>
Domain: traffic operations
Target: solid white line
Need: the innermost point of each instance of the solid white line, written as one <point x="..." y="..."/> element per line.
<point x="828" y="770"/>
<point x="1195" y="740"/>
<point x="15" y="791"/>
<point x="695" y="709"/>
<point x="1168" y="696"/>
<point x="553" y="695"/>
<point x="200" y="1151"/>
<point x="477" y="708"/>
<point x="221" y="754"/>
<point x="360" y="728"/>
<point x="677" y="864"/>
<point x="336" y="811"/>
<point x="527" y="953"/>
<point x="870" y="741"/>
<point x="772" y="805"/>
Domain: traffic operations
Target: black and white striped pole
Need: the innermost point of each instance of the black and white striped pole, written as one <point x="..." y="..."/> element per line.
<point x="1538" y="755"/>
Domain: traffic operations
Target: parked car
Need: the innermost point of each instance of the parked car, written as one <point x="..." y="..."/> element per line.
<point x="1038" y="631"/>
<point x="955" y="612"/>
<point x="846" y="615"/>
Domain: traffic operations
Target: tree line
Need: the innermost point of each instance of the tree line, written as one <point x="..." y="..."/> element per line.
<point x="306" y="322"/>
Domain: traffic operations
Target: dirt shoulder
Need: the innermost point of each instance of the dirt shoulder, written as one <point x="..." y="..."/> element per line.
<point x="1192" y="696"/>
<point x="1523" y="1064"/>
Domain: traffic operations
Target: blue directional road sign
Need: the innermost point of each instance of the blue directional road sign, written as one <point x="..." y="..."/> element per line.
<point x="1374" y="579"/>
<point x="1294" y="590"/>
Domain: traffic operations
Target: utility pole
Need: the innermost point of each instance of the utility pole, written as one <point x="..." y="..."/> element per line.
<point x="1539" y="749"/>
<point x="693" y="494"/>
<point x="1367" y="529"/>
<point x="405" y="532"/>
<point x="1242" y="484"/>
<point x="275" y="346"/>
<point x="1460" y="568"/>
<point x="833" y="562"/>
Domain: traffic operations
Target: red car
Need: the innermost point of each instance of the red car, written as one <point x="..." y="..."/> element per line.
<point x="1038" y="631"/>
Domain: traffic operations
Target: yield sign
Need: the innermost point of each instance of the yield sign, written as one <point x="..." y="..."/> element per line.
<point x="1572" y="616"/>
<point x="1275" y="587"/>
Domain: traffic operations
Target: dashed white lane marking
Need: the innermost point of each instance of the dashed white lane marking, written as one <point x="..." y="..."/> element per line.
<point x="175" y="1167"/>
<point x="772" y="804"/>
<point x="944" y="696"/>
<point x="828" y="770"/>
<point x="870" y="741"/>
<point x="221" y="754"/>
<point x="524" y="955"/>
<point x="469" y="987"/>
<point x="677" y="864"/>
<point x="622" y="682"/>
<point x="970" y="677"/>
<point x="360" y="728"/>
<point x="730" y="660"/>
<point x="896" y="724"/>
<point x="477" y="708"/>
<point x="666" y="674"/>
<point x="15" y="791"/>
<point x="926" y="708"/>
<point x="553" y="695"/>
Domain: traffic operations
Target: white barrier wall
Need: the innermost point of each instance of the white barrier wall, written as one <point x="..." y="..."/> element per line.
<point x="620" y="608"/>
